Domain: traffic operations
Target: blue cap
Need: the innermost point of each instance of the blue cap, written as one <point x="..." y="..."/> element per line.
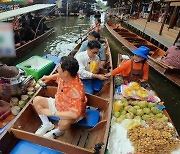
<point x="142" y="51"/>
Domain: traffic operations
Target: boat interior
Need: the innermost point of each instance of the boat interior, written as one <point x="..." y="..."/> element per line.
<point x="77" y="139"/>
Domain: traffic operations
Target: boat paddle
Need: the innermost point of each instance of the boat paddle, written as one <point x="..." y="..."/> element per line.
<point x="85" y="34"/>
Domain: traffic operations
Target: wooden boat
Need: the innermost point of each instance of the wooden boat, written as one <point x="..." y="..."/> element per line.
<point x="8" y="119"/>
<point x="132" y="41"/>
<point x="20" y="50"/>
<point x="52" y="19"/>
<point x="116" y="130"/>
<point x="76" y="140"/>
<point x="164" y="110"/>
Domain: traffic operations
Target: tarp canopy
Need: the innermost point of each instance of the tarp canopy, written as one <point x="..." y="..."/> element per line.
<point x="5" y="1"/>
<point x="24" y="10"/>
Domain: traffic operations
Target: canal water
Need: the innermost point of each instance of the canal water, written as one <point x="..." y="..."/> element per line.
<point x="69" y="29"/>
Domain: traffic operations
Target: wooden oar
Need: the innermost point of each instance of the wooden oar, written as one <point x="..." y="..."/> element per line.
<point x="85" y="34"/>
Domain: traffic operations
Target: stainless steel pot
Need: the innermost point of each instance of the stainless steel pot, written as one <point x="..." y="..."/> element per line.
<point x="14" y="86"/>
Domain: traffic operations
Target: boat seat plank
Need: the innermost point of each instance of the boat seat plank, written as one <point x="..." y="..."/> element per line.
<point x="77" y="137"/>
<point x="68" y="136"/>
<point x="93" y="137"/>
<point x="83" y="139"/>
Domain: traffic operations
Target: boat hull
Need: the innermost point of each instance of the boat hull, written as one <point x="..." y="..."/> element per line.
<point x="20" y="51"/>
<point x="77" y="139"/>
<point x="132" y="41"/>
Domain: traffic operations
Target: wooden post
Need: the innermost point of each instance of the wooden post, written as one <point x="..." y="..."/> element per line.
<point x="67" y="7"/>
<point x="172" y="22"/>
<point x="178" y="36"/>
<point x="164" y="19"/>
<point x="138" y="11"/>
<point x="150" y="13"/>
<point x="131" y="7"/>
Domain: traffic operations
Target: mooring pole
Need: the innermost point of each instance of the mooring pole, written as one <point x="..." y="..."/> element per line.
<point x="164" y="19"/>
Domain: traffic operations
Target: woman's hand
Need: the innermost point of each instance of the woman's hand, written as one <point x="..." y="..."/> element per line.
<point x="108" y="74"/>
<point x="102" y="77"/>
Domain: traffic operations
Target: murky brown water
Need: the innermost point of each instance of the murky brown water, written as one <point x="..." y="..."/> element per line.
<point x="69" y="29"/>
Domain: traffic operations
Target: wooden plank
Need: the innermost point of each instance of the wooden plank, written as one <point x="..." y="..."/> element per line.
<point x="99" y="126"/>
<point x="51" y="143"/>
<point x="6" y="120"/>
<point x="77" y="137"/>
<point x="83" y="139"/>
<point x="97" y="102"/>
<point x="69" y="135"/>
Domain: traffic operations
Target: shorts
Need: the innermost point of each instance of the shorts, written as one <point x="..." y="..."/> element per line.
<point x="51" y="105"/>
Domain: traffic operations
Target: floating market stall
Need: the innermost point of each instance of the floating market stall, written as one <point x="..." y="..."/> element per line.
<point x="140" y="123"/>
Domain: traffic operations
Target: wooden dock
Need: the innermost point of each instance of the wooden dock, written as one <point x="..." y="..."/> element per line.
<point x="152" y="30"/>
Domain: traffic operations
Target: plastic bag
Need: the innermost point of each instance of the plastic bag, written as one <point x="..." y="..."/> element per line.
<point x="93" y="66"/>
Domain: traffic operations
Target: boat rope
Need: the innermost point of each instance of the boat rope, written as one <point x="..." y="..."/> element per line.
<point x="98" y="147"/>
<point x="42" y="19"/>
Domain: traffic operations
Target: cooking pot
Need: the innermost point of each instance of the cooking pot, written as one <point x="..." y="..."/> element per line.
<point x="14" y="86"/>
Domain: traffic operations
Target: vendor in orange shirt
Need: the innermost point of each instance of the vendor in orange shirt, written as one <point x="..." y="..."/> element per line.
<point x="135" y="69"/>
<point x="69" y="103"/>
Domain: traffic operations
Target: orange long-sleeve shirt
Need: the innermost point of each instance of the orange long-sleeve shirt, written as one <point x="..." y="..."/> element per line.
<point x="125" y="69"/>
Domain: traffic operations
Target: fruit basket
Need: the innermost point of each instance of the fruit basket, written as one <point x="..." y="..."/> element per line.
<point x="5" y="109"/>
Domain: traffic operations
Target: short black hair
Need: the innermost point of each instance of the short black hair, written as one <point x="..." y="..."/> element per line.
<point x="99" y="20"/>
<point x="93" y="44"/>
<point x="24" y="24"/>
<point x="95" y="34"/>
<point x="69" y="64"/>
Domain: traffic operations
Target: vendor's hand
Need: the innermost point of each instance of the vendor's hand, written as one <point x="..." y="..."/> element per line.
<point x="108" y="74"/>
<point x="142" y="80"/>
<point x="45" y="79"/>
<point x="102" y="77"/>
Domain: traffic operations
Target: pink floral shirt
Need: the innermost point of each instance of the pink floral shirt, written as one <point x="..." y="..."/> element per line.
<point x="173" y="57"/>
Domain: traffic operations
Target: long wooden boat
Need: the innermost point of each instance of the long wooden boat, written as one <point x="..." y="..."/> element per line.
<point x="132" y="41"/>
<point x="20" y="51"/>
<point x="77" y="139"/>
<point x="122" y="141"/>
<point x="164" y="110"/>
<point x="52" y="19"/>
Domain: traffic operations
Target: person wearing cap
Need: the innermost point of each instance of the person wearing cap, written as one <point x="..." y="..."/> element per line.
<point x="172" y="57"/>
<point x="135" y="69"/>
